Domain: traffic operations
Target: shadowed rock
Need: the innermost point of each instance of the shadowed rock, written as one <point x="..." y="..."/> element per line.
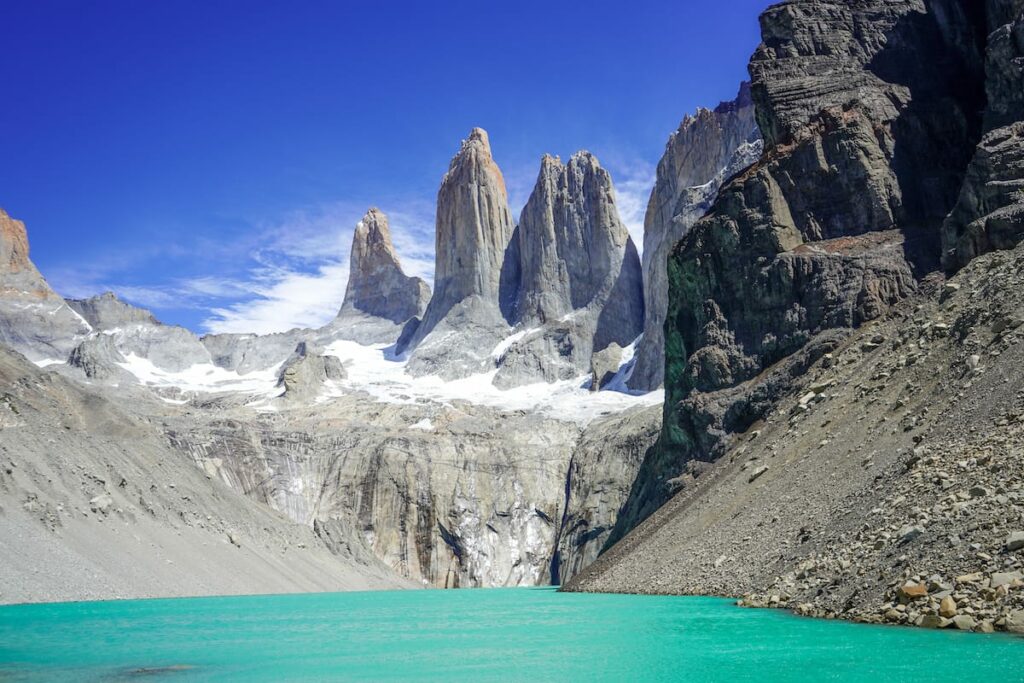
<point x="708" y="148"/>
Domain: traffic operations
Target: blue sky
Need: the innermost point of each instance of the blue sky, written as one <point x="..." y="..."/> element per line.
<point x="209" y="160"/>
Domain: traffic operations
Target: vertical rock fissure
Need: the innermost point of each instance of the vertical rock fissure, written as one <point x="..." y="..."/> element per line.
<point x="556" y="555"/>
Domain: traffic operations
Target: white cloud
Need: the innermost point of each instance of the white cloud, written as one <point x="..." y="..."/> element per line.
<point x="300" y="275"/>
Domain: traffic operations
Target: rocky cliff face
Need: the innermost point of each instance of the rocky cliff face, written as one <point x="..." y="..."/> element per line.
<point x="33" y="318"/>
<point x="709" y="148"/>
<point x="446" y="495"/>
<point x="870" y="113"/>
<point x="990" y="211"/>
<point x="473" y="285"/>
<point x="107" y="312"/>
<point x="377" y="286"/>
<point x="580" y="280"/>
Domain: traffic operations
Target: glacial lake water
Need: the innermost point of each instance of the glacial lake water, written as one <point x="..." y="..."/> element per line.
<point x="476" y="635"/>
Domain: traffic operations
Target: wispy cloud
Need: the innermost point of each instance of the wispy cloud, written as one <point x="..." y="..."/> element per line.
<point x="299" y="277"/>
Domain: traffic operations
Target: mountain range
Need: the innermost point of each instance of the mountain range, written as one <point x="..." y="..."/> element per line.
<point x="828" y="294"/>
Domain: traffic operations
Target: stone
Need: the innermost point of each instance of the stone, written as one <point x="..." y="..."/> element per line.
<point x="1006" y="578"/>
<point x="1014" y="622"/>
<point x="911" y="591"/>
<point x="947" y="608"/>
<point x="908" y="533"/>
<point x="708" y="148"/>
<point x="1015" y="541"/>
<point x="605" y="365"/>
<point x="234" y="539"/>
<point x="758" y="473"/>
<point x="934" y="621"/>
<point x="101" y="503"/>
<point x="964" y="622"/>
<point x="377" y="285"/>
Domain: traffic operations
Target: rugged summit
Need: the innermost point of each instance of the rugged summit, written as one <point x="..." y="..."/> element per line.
<point x="709" y="147"/>
<point x="580" y="278"/>
<point x="466" y="316"/>
<point x="107" y="312"/>
<point x="33" y="318"/>
<point x="871" y="113"/>
<point x="377" y="286"/>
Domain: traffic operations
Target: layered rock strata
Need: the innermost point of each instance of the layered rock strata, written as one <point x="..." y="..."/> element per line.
<point x="870" y="112"/>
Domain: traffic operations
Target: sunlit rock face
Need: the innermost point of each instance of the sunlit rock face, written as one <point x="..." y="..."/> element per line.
<point x="580" y="286"/>
<point x="34" y="320"/>
<point x="377" y="285"/>
<point x="469" y="311"/>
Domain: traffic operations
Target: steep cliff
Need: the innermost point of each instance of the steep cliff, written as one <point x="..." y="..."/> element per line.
<point x="474" y="280"/>
<point x="377" y="286"/>
<point x="580" y="279"/>
<point x="708" y="149"/>
<point x="33" y="318"/>
<point x="870" y="113"/>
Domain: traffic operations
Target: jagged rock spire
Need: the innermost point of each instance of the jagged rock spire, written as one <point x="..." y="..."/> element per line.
<point x="13" y="245"/>
<point x="474" y="229"/>
<point x="377" y="285"/>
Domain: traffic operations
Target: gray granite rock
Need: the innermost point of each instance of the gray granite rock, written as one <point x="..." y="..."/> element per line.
<point x="474" y="282"/>
<point x="107" y="312"/>
<point x="580" y="277"/>
<point x="870" y="113"/>
<point x="377" y="286"/>
<point x="34" y="320"/>
<point x="305" y="373"/>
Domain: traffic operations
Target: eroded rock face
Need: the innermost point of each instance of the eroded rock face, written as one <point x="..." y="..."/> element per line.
<point x="866" y="145"/>
<point x="467" y="314"/>
<point x="990" y="212"/>
<point x="107" y="312"/>
<point x="580" y="276"/>
<point x="377" y="286"/>
<point x="708" y="148"/>
<point x="34" y="320"/>
<point x="447" y="495"/>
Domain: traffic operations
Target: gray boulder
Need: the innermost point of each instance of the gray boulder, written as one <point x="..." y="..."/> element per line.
<point x="306" y="371"/>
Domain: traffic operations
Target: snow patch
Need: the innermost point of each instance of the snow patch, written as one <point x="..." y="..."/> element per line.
<point x="370" y="370"/>
<point x="203" y="377"/>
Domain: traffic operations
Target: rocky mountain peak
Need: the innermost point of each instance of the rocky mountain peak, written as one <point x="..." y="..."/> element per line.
<point x="106" y="311"/>
<point x="708" y="148"/>
<point x="473" y="235"/>
<point x="377" y="285"/>
<point x="573" y="246"/>
<point x="580" y="279"/>
<point x="13" y="245"/>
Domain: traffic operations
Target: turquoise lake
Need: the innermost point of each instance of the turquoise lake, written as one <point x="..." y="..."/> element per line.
<point x="476" y="635"/>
